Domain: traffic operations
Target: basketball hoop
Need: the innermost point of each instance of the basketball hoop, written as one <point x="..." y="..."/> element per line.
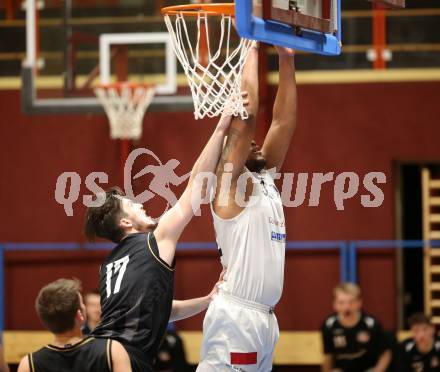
<point x="125" y="105"/>
<point x="214" y="78"/>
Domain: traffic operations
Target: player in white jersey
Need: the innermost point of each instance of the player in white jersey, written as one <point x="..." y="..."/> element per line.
<point x="240" y="329"/>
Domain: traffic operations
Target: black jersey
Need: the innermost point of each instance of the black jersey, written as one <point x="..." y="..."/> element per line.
<point x="354" y="349"/>
<point x="85" y="330"/>
<point x="412" y="360"/>
<point x="136" y="288"/>
<point x="88" y="355"/>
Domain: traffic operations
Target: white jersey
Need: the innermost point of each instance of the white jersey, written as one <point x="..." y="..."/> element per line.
<point x="253" y="243"/>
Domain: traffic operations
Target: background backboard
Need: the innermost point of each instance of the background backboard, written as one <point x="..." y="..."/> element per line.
<point x="65" y="60"/>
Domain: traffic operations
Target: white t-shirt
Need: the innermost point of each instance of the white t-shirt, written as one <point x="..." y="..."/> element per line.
<point x="253" y="243"/>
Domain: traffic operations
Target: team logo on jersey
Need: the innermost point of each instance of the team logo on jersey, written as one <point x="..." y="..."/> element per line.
<point x="434" y="362"/>
<point x="277" y="223"/>
<point x="417" y="366"/>
<point x="278" y="237"/>
<point x="340" y="341"/>
<point x="363" y="337"/>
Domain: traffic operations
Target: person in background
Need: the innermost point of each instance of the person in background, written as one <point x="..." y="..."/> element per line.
<point x="353" y="341"/>
<point x="61" y="309"/>
<point x="92" y="301"/>
<point x="420" y="352"/>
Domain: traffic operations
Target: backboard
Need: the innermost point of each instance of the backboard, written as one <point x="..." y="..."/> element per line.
<point x="308" y="25"/>
<point x="72" y="45"/>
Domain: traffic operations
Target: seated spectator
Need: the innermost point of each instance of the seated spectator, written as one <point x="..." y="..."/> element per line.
<point x="60" y="308"/>
<point x="92" y="301"/>
<point x="421" y="352"/>
<point x="353" y="341"/>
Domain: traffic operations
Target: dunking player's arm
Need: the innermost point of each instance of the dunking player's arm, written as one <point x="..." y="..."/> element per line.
<point x="284" y="117"/>
<point x="239" y="142"/>
<point x="173" y="222"/>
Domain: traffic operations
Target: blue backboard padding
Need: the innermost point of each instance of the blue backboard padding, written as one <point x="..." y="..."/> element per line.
<point x="272" y="32"/>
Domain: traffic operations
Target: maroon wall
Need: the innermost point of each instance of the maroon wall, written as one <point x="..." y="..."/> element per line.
<point x="358" y="128"/>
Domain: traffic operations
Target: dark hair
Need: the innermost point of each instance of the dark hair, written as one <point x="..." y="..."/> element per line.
<point x="419" y="319"/>
<point x="103" y="221"/>
<point x="57" y="304"/>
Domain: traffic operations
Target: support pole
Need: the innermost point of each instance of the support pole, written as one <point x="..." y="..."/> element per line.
<point x="343" y="262"/>
<point x="69" y="52"/>
<point x="10" y="10"/>
<point x="31" y="27"/>
<point x="379" y="36"/>
<point x="121" y="69"/>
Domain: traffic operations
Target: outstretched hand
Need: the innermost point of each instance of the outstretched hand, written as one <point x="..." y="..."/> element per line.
<point x="216" y="286"/>
<point x="225" y="119"/>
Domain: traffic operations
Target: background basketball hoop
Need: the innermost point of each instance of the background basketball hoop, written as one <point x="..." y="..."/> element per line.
<point x="125" y="105"/>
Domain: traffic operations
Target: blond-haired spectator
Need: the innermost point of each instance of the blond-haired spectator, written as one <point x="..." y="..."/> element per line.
<point x="353" y="341"/>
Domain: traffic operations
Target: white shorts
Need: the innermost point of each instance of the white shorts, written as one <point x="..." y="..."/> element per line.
<point x="238" y="336"/>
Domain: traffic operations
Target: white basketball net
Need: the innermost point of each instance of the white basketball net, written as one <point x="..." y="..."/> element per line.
<point x="125" y="106"/>
<point x="216" y="82"/>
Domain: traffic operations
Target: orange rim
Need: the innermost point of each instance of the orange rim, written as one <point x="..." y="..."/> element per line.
<point x="124" y="84"/>
<point x="194" y="10"/>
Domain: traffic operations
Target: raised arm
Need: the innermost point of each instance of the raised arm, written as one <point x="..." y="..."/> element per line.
<point x="284" y="117"/>
<point x="173" y="222"/>
<point x="241" y="134"/>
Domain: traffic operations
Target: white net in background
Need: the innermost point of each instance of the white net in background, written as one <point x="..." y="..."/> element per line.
<point x="125" y="106"/>
<point x="214" y="77"/>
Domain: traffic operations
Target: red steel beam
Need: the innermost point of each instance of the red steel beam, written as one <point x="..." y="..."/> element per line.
<point x="379" y="35"/>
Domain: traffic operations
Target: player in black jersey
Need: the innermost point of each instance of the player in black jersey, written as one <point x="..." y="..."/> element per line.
<point x="136" y="279"/>
<point x="353" y="341"/>
<point x="421" y="352"/>
<point x="61" y="309"/>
